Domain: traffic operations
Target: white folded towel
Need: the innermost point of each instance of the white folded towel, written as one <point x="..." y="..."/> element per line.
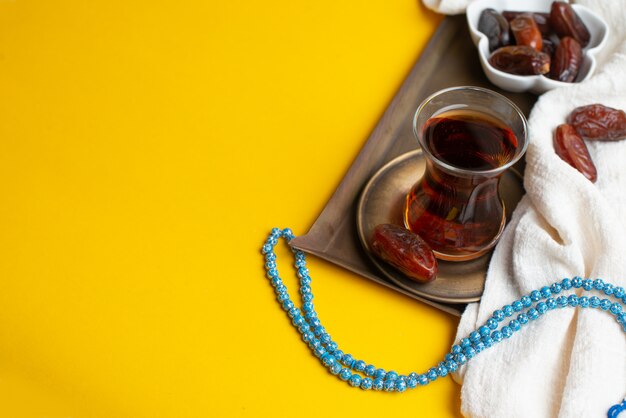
<point x="568" y="363"/>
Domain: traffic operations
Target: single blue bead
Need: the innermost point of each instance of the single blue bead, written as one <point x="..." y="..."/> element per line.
<point x="272" y="273"/>
<point x="308" y="336"/>
<point x="577" y="282"/>
<point x="456" y="349"/>
<point x="389" y="385"/>
<point x="432" y="374"/>
<point x="587" y="284"/>
<point x="325" y="338"/>
<point x="583" y="302"/>
<point x="400" y="386"/>
<point x="303" y="272"/>
<point x="282" y="297"/>
<point x="308" y="297"/>
<point x="618" y="292"/>
<point x="276" y="281"/>
<point x="484" y="331"/>
<point x="378" y="384"/>
<point x="270" y="257"/>
<point x="442" y="370"/>
<point x="319" y="351"/>
<point x="411" y="382"/>
<point x="594" y="301"/>
<point x="605" y="304"/>
<point x="572" y="301"/>
<point x="355" y="380"/>
<point x="270" y="264"/>
<point x="335" y="368"/>
<point x="469" y="352"/>
<point x="561" y="301"/>
<point x="304" y="289"/>
<point x="305" y="281"/>
<point x="287" y="232"/>
<point x="551" y="303"/>
<point x="391" y="375"/>
<point x="338" y="355"/>
<point x="314" y="322"/>
<point x="266" y="248"/>
<point x="298" y="321"/>
<point x="492" y="323"/>
<point x="452" y="366"/>
<point x="288" y="305"/>
<point x="359" y="366"/>
<point x="598" y="284"/>
<point x="508" y="310"/>
<point x="566" y="284"/>
<point x="488" y="341"/>
<point x="307" y="306"/>
<point x="300" y="263"/>
<point x="522" y="318"/>
<point x="465" y="342"/>
<point x="474" y="336"/>
<point x="402" y="377"/>
<point x="460" y="358"/>
<point x="448" y="357"/>
<point x="506" y="332"/>
<point x="281" y="288"/>
<point x="497" y="336"/>
<point x="328" y="360"/>
<point x="294" y="312"/>
<point x="276" y="232"/>
<point x="545" y="292"/>
<point x="608" y="289"/>
<point x="366" y="383"/>
<point x="413" y="374"/>
<point x="422" y="380"/>
<point x="526" y="301"/>
<point x="535" y="295"/>
<point x="380" y="374"/>
<point x="370" y="370"/>
<point x="498" y="315"/>
<point x="345" y="374"/>
<point x="542" y="308"/>
<point x="556" y="288"/>
<point x="272" y="241"/>
<point x="515" y="325"/>
<point x="615" y="308"/>
<point x="621" y="318"/>
<point x="517" y="306"/>
<point x="304" y="327"/>
<point x="347" y="360"/>
<point x="533" y="314"/>
<point x="479" y="346"/>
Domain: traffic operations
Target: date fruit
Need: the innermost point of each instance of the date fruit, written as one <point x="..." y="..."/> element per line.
<point x="566" y="22"/>
<point x="404" y="250"/>
<point x="597" y="122"/>
<point x="572" y="149"/>
<point x="541" y="19"/>
<point x="496" y="27"/>
<point x="520" y="60"/>
<point x="526" y="31"/>
<point x="566" y="60"/>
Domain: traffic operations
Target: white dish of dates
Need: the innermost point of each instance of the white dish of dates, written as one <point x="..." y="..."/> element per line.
<point x="535" y="45"/>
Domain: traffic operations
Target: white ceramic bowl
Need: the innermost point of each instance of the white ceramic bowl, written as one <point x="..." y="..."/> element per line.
<point x="537" y="84"/>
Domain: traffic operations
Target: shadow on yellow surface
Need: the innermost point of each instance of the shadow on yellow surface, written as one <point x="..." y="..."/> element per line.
<point x="146" y="148"/>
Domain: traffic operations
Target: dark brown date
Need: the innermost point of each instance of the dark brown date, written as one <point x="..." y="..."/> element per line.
<point x="572" y="149"/>
<point x="520" y="60"/>
<point x="404" y="250"/>
<point x="566" y="60"/>
<point x="597" y="122"/>
<point x="496" y="27"/>
<point x="566" y="22"/>
<point x="541" y="19"/>
<point x="526" y="31"/>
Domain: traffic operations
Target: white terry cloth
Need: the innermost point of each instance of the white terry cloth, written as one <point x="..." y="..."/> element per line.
<point x="569" y="362"/>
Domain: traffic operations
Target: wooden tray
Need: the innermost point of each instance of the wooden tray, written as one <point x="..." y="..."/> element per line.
<point x="450" y="59"/>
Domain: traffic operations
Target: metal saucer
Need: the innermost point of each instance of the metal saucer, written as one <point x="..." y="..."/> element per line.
<point x="382" y="201"/>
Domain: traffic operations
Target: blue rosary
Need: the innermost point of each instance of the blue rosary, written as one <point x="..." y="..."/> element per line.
<point x="343" y="364"/>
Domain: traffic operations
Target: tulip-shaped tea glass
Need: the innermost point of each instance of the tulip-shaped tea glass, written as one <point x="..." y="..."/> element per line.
<point x="469" y="137"/>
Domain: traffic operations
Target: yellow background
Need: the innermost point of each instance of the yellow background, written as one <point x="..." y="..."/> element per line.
<point x="146" y="149"/>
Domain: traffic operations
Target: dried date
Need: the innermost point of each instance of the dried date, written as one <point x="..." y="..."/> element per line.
<point x="526" y="31"/>
<point x="566" y="60"/>
<point x="566" y="22"/>
<point x="496" y="27"/>
<point x="598" y="122"/>
<point x="541" y="19"/>
<point x="520" y="60"/>
<point x="404" y="250"/>
<point x="572" y="149"/>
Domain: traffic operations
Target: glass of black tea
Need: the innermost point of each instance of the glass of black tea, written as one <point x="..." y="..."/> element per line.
<point x="469" y="137"/>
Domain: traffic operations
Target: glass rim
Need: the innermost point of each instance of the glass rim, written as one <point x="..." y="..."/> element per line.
<point x="464" y="171"/>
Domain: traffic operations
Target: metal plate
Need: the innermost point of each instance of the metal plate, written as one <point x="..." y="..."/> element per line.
<point x="382" y="201"/>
